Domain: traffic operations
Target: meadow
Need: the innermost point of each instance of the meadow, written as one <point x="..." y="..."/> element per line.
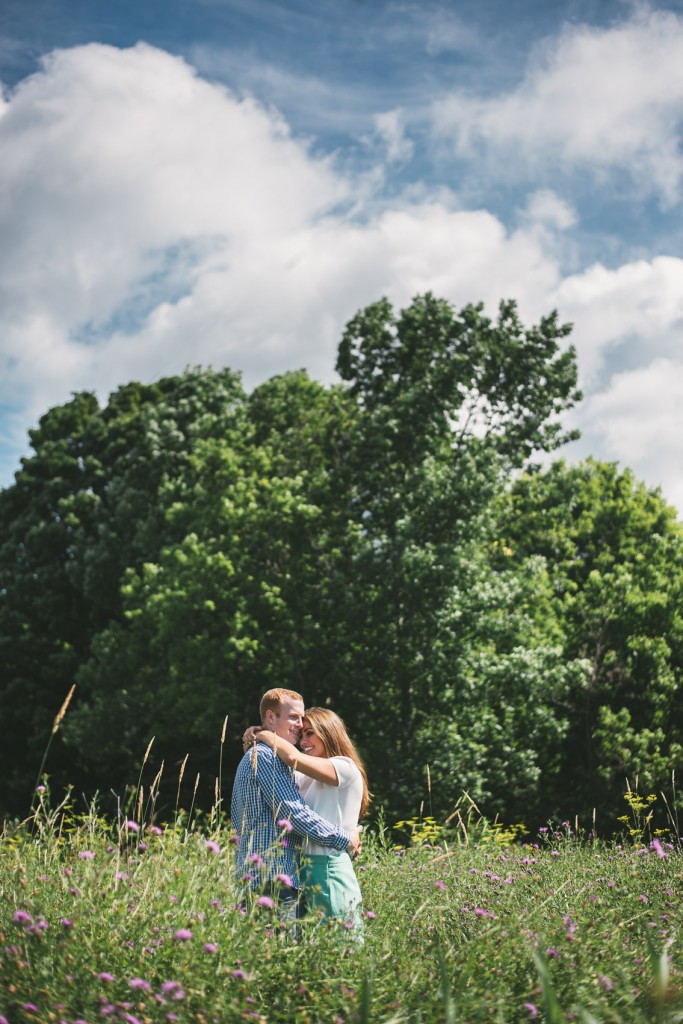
<point x="127" y="920"/>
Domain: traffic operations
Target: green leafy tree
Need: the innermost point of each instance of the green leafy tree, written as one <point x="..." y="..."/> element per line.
<point x="614" y="552"/>
<point x="84" y="508"/>
<point x="241" y="599"/>
<point x="449" y="404"/>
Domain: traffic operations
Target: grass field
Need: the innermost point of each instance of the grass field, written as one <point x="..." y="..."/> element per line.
<point x="126" y="921"/>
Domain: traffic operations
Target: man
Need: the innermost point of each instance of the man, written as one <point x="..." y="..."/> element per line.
<point x="267" y="806"/>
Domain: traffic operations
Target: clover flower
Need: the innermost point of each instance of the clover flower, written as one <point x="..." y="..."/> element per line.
<point x="140" y="984"/>
<point x="183" y="935"/>
<point x="173" y="989"/>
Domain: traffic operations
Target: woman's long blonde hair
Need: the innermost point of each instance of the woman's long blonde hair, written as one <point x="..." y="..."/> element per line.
<point x="331" y="731"/>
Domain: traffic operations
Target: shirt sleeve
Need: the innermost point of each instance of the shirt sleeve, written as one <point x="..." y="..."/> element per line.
<point x="279" y="792"/>
<point x="347" y="771"/>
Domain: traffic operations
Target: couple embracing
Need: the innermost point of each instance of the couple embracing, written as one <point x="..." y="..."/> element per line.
<point x="296" y="811"/>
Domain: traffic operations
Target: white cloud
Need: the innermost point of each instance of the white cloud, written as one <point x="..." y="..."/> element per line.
<point x="151" y="219"/>
<point x="601" y="99"/>
<point x="545" y="207"/>
<point x="638" y="420"/>
<point x="391" y="130"/>
<point x="122" y="170"/>
<point x="639" y="304"/>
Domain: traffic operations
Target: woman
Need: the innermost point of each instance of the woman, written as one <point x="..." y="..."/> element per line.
<point x="332" y="780"/>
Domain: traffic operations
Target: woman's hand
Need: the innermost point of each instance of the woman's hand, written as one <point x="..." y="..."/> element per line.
<point x="250" y="735"/>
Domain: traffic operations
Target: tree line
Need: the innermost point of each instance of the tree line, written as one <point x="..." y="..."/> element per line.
<point x="389" y="546"/>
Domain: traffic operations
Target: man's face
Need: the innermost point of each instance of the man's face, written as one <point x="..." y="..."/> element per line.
<point x="287" y="725"/>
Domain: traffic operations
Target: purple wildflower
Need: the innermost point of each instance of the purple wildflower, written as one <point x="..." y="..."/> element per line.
<point x="210" y="947"/>
<point x="439" y="884"/>
<point x="21" y="917"/>
<point x="183" y="935"/>
<point x="132" y="826"/>
<point x="238" y="975"/>
<point x="285" y="879"/>
<point x="30" y="1007"/>
<point x="607" y="982"/>
<point x="86" y="855"/>
<point x="265" y="901"/>
<point x="66" y="923"/>
<point x="212" y="846"/>
<point x="285" y="824"/>
<point x="531" y="1009"/>
<point x="140" y="984"/>
<point x="173" y="989"/>
<point x="658" y="848"/>
<point x="106" y="976"/>
<point x="370" y="915"/>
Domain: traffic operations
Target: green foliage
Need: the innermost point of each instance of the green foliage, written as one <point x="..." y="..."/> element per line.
<point x="377" y="545"/>
<point x="614" y="555"/>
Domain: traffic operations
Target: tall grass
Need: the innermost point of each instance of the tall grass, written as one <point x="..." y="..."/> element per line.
<point x="128" y="921"/>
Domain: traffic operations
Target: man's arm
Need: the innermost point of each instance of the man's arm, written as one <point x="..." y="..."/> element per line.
<point x="280" y="793"/>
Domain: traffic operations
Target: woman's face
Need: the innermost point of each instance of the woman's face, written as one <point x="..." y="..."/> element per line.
<point x="311" y="743"/>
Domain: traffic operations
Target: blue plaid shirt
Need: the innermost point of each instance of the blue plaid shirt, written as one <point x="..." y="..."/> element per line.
<point x="263" y="794"/>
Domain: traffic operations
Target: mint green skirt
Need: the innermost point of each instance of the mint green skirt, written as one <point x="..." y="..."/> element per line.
<point x="331" y="886"/>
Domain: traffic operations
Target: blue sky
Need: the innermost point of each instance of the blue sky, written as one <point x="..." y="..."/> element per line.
<point x="226" y="182"/>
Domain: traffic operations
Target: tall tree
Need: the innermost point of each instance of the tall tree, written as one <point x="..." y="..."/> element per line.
<point x="614" y="552"/>
<point x="450" y="402"/>
<point x="84" y="508"/>
<point x="240" y="599"/>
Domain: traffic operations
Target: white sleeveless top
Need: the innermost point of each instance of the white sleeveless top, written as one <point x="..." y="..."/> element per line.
<point x="338" y="804"/>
